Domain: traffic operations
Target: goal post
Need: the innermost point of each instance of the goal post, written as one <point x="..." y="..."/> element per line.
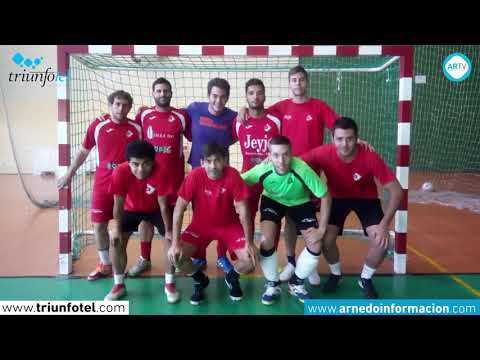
<point x="372" y="84"/>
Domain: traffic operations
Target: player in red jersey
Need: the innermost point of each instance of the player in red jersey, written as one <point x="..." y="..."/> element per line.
<point x="253" y="136"/>
<point x="164" y="127"/>
<point x="351" y="171"/>
<point x="217" y="193"/>
<point x="141" y="187"/>
<point x="109" y="135"/>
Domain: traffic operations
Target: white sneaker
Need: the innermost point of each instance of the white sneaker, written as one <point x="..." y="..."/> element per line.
<point x="299" y="291"/>
<point x="287" y="272"/>
<point x="314" y="278"/>
<point x="172" y="294"/>
<point x="118" y="291"/>
<point x="271" y="293"/>
<point x="141" y="266"/>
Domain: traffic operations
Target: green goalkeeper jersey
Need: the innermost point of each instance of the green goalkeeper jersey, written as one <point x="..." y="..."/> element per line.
<point x="290" y="189"/>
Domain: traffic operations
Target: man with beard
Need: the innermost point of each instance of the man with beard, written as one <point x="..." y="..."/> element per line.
<point x="164" y="127"/>
<point x="254" y="135"/>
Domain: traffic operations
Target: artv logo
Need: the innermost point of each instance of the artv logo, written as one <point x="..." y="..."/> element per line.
<point x="33" y="76"/>
<point x="457" y="67"/>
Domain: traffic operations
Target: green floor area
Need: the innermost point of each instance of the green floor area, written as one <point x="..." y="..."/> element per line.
<point x="146" y="294"/>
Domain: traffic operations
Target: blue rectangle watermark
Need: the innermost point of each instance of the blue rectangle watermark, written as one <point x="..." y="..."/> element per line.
<point x="392" y="307"/>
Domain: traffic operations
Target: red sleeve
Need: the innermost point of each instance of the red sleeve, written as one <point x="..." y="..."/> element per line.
<point x="138" y="119"/>
<point x="276" y="110"/>
<point x="240" y="189"/>
<point x="329" y="115"/>
<point x="186" y="190"/>
<point x="380" y="170"/>
<point x="119" y="181"/>
<point x="89" y="140"/>
<point x="234" y="131"/>
<point x="188" y="125"/>
<point x="313" y="159"/>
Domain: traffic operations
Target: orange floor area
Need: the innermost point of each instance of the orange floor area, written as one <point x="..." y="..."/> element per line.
<point x="29" y="241"/>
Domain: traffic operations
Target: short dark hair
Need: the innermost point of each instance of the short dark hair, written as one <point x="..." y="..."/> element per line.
<point x="140" y="149"/>
<point x="297" y="69"/>
<point x="161" y="80"/>
<point x="220" y="83"/>
<point x="345" y="123"/>
<point x="120" y="94"/>
<point x="254" y="82"/>
<point x="213" y="148"/>
<point x="280" y="140"/>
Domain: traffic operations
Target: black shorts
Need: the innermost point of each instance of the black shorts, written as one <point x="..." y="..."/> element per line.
<point x="369" y="211"/>
<point x="131" y="220"/>
<point x="303" y="215"/>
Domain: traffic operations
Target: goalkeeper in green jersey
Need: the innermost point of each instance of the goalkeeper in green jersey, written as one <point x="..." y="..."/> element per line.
<point x="288" y="183"/>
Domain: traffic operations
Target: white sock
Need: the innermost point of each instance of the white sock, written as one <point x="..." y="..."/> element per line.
<point x="269" y="266"/>
<point x="104" y="257"/>
<point x="169" y="278"/>
<point x="118" y="279"/>
<point x="306" y="263"/>
<point x="335" y="269"/>
<point x="367" y="272"/>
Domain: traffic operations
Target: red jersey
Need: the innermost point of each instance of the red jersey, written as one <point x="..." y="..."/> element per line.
<point x="141" y="195"/>
<point x="110" y="141"/>
<point x="253" y="136"/>
<point x="304" y="123"/>
<point x="212" y="200"/>
<point x="164" y="130"/>
<point x="350" y="180"/>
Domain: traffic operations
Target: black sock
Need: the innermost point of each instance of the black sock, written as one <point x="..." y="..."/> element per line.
<point x="199" y="277"/>
<point x="232" y="275"/>
<point x="266" y="253"/>
<point x="295" y="280"/>
<point x="291" y="260"/>
<point x="313" y="253"/>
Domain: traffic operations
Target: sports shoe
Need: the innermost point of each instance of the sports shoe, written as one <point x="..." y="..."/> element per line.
<point x="314" y="278"/>
<point x="198" y="295"/>
<point x="236" y="293"/>
<point x="118" y="291"/>
<point x="287" y="272"/>
<point x="141" y="266"/>
<point x="299" y="291"/>
<point x="332" y="284"/>
<point x="367" y="288"/>
<point x="100" y="271"/>
<point x="224" y="264"/>
<point x="199" y="263"/>
<point x="271" y="293"/>
<point x="172" y="294"/>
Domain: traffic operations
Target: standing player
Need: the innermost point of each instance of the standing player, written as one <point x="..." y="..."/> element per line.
<point x="287" y="184"/>
<point x="212" y="121"/>
<point x="109" y="135"/>
<point x="163" y="126"/>
<point x="254" y="135"/>
<point x="141" y="187"/>
<point x="350" y="171"/>
<point x="217" y="193"/>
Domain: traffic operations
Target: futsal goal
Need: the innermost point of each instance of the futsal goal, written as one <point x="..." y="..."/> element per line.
<point x="371" y="84"/>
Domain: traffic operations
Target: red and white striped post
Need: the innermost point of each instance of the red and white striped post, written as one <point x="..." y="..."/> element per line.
<point x="404" y="114"/>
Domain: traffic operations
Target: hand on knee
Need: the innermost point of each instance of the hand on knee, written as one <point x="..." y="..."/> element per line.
<point x="245" y="267"/>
